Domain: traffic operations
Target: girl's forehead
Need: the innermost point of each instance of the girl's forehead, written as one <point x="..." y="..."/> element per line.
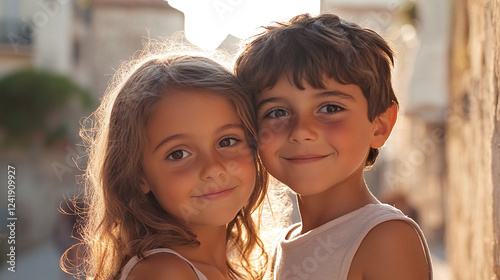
<point x="183" y="98"/>
<point x="193" y="107"/>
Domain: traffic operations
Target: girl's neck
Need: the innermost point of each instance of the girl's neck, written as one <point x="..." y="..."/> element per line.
<point x="211" y="253"/>
<point x="316" y="210"/>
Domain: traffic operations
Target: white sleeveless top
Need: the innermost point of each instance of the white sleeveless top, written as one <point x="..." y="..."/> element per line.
<point x="326" y="252"/>
<point x="135" y="260"/>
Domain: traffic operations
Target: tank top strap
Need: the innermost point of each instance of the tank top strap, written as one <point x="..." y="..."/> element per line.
<point x="135" y="260"/>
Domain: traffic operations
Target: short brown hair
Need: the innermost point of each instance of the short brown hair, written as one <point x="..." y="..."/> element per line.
<point x="310" y="48"/>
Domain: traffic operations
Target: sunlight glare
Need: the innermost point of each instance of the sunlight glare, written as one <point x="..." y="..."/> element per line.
<point x="208" y="22"/>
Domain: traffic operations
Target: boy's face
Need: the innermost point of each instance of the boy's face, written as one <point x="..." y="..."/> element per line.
<point x="315" y="139"/>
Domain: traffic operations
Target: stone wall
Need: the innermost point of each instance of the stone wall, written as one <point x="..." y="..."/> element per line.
<point x="473" y="142"/>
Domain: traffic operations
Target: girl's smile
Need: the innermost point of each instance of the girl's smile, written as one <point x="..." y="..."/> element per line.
<point x="220" y="193"/>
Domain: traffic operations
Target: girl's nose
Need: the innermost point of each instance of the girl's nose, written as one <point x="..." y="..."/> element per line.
<point x="213" y="167"/>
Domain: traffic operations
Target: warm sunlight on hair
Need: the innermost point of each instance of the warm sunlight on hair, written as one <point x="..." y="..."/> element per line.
<point x="207" y="23"/>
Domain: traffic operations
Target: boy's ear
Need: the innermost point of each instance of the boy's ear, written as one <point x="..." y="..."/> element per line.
<point x="382" y="126"/>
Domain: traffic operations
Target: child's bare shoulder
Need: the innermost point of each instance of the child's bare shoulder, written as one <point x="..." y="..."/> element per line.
<point x="162" y="266"/>
<point x="391" y="250"/>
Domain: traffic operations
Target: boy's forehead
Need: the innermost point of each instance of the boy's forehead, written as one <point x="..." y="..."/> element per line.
<point x="285" y="87"/>
<point x="301" y="82"/>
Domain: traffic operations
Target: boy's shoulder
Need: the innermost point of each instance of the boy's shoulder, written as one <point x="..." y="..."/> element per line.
<point x="357" y="222"/>
<point x="162" y="266"/>
<point x="391" y="250"/>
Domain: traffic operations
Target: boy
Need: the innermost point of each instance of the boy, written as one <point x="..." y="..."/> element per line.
<point x="325" y="104"/>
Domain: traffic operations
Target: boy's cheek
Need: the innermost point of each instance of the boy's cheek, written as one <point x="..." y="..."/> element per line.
<point x="272" y="165"/>
<point x="270" y="147"/>
<point x="271" y="130"/>
<point x="274" y="125"/>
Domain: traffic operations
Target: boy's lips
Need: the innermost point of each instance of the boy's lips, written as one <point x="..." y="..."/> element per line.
<point x="305" y="158"/>
<point x="214" y="194"/>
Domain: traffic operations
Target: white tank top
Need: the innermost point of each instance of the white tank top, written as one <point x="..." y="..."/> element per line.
<point x="326" y="252"/>
<point x="135" y="260"/>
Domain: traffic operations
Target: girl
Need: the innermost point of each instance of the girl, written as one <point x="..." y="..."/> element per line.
<point x="174" y="176"/>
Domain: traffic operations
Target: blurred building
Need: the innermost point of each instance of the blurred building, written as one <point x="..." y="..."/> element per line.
<point x="119" y="28"/>
<point x="85" y="41"/>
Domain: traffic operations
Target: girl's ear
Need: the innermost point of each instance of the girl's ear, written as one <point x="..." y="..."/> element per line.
<point x="144" y="185"/>
<point x="382" y="126"/>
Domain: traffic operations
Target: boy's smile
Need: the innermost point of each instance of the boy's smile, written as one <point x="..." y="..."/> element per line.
<point x="305" y="158"/>
<point x="315" y="139"/>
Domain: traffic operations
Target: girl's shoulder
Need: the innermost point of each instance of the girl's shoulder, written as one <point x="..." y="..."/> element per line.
<point x="162" y="266"/>
<point x="160" y="263"/>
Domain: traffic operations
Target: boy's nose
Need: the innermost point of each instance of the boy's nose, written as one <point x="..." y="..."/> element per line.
<point x="302" y="130"/>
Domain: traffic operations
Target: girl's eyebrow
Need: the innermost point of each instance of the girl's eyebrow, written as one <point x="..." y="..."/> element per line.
<point x="170" y="138"/>
<point x="184" y="136"/>
<point x="230" y="126"/>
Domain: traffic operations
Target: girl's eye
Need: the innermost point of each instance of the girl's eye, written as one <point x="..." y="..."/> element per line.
<point x="227" y="142"/>
<point x="277" y="113"/>
<point x="178" y="155"/>
<point x="330" y="109"/>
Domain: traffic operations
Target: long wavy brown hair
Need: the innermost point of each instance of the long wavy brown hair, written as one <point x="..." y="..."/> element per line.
<point x="120" y="221"/>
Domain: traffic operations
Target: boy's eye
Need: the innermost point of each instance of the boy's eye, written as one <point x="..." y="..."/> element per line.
<point x="226" y="142"/>
<point x="178" y="155"/>
<point x="330" y="109"/>
<point x="277" y="113"/>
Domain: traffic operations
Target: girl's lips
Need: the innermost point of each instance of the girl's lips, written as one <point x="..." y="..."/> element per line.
<point x="300" y="159"/>
<point x="216" y="194"/>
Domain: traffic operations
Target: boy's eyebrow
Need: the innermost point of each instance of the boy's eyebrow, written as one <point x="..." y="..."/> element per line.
<point x="328" y="93"/>
<point x="184" y="136"/>
<point x="267" y="100"/>
<point x="336" y="93"/>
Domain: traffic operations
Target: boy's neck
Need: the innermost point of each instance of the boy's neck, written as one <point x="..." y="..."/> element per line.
<point x="316" y="210"/>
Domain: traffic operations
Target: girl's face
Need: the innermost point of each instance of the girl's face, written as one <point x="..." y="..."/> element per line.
<point x="197" y="160"/>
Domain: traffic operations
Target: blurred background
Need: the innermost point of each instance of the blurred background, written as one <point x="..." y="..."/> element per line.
<point x="441" y="166"/>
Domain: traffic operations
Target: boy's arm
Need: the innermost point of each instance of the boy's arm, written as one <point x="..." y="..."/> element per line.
<point x="390" y="251"/>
